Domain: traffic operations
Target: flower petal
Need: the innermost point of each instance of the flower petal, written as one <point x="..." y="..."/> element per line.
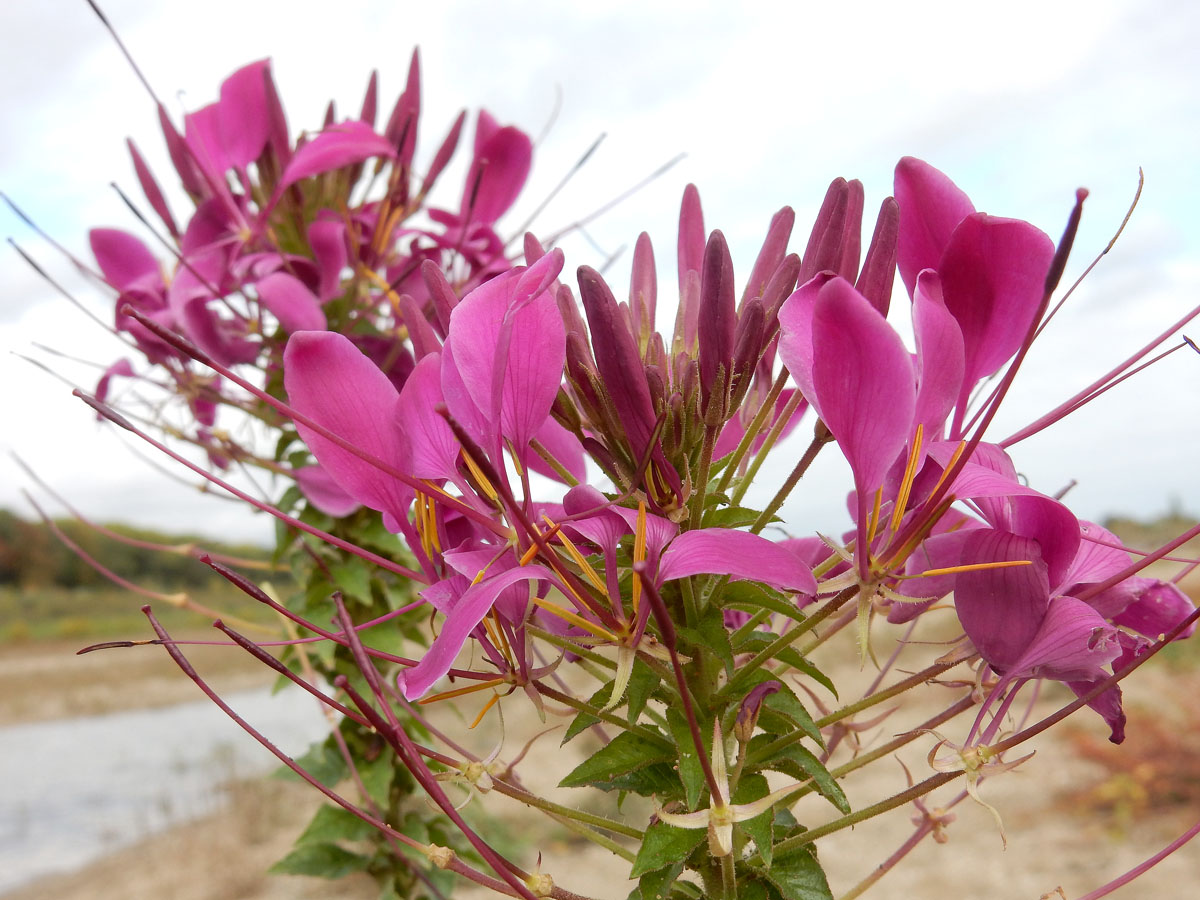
<point x="723" y="551"/>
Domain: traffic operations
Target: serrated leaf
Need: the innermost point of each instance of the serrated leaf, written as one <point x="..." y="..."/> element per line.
<point x="752" y="596"/>
<point x="801" y="764"/>
<point x="761" y="829"/>
<point x="656" y="885"/>
<point x="732" y="517"/>
<point x="657" y="780"/>
<point x="785" y="702"/>
<point x="320" y="860"/>
<point x="626" y="753"/>
<point x="585" y="719"/>
<point x="663" y="845"/>
<point x="332" y="824"/>
<point x="798" y="876"/>
<point x="691" y="771"/>
<point x="716" y="638"/>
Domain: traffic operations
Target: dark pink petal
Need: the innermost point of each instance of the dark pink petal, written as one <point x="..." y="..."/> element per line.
<point x="401" y="130"/>
<point x="294" y="305"/>
<point x="334" y="148"/>
<point x="151" y="189"/>
<point x="723" y="551"/>
<point x="993" y="275"/>
<point x="718" y="315"/>
<point x="863" y="385"/>
<point x="123" y="259"/>
<point x="931" y="206"/>
<point x="939" y="551"/>
<point x="327" y="237"/>
<point x="879" y="265"/>
<point x="771" y="255"/>
<point x="467" y="612"/>
<point x="1001" y="609"/>
<point x="324" y="493"/>
<point x="939" y="356"/>
<point x="1108" y="704"/>
<point x="795" y="334"/>
<point x="1072" y="644"/>
<point x="643" y="287"/>
<point x="836" y="238"/>
<point x="1159" y="606"/>
<point x="503" y="157"/>
<point x="331" y="382"/>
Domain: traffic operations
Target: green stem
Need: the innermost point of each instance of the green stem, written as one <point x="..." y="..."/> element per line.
<point x="583" y="706"/>
<point x="763" y="451"/>
<point x="787" y="638"/>
<point x="887" y="693"/>
<point x="728" y="878"/>
<point x="752" y="430"/>
<point x="806" y="460"/>
<point x="569" y="645"/>
<point x="696" y="502"/>
<point x="565" y="812"/>
<point x="596" y="838"/>
<point x="867" y="812"/>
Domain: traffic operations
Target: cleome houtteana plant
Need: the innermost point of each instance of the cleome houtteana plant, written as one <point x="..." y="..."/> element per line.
<point x="500" y="487"/>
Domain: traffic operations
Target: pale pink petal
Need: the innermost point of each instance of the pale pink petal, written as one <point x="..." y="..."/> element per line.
<point x="324" y="493"/>
<point x="123" y="259"/>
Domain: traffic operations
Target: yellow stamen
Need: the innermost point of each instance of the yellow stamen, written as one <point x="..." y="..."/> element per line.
<point x="958" y="451"/>
<point x="484" y="484"/>
<point x="971" y="567"/>
<point x="574" y="618"/>
<point x="505" y="647"/>
<point x="588" y="572"/>
<point x="639" y="553"/>
<point x="910" y="473"/>
<point x="462" y="691"/>
<point x="873" y="519"/>
<point x="483" y="712"/>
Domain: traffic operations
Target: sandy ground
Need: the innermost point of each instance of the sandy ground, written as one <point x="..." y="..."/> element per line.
<point x="225" y="855"/>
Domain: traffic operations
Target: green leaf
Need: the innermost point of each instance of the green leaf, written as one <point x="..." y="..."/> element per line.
<point x="656" y="885"/>
<point x="321" y="860"/>
<point x="761" y="828"/>
<point x="801" y="764"/>
<point x="353" y="579"/>
<point x="663" y="845"/>
<point x="785" y="702"/>
<point x="322" y="761"/>
<point x="626" y="753"/>
<point x="657" y="780"/>
<point x="716" y="638"/>
<point x="642" y="683"/>
<point x="377" y="778"/>
<point x="752" y="596"/>
<point x="332" y="824"/>
<point x="585" y="719"/>
<point x="732" y="517"/>
<point x="798" y="876"/>
<point x="691" y="771"/>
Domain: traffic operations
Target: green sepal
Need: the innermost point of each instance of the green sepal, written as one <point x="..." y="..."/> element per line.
<point x="760" y="829"/>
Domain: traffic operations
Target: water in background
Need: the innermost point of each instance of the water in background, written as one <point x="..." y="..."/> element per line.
<point x="73" y="790"/>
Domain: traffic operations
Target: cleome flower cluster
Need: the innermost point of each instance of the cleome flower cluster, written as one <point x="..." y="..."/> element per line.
<point x="565" y="482"/>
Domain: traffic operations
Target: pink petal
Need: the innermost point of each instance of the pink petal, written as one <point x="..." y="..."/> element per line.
<point x="939" y="356"/>
<point x="294" y="305"/>
<point x="468" y="611"/>
<point x="1072" y="644"/>
<point x="1001" y="609"/>
<point x="503" y="157"/>
<point x="331" y="382"/>
<point x="324" y="493"/>
<point x="244" y="114"/>
<point x="334" y="148"/>
<point x="327" y="237"/>
<point x="123" y="259"/>
<point x="433" y="445"/>
<point x="993" y="273"/>
<point x="862" y="382"/>
<point x="931" y="206"/>
<point x="723" y="551"/>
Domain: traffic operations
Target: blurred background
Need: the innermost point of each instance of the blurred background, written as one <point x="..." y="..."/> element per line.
<point x="1020" y="105"/>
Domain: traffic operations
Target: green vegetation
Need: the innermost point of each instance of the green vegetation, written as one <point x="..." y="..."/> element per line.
<point x="48" y="591"/>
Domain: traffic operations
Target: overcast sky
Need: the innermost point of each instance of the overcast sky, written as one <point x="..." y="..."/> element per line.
<point x="1020" y="105"/>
